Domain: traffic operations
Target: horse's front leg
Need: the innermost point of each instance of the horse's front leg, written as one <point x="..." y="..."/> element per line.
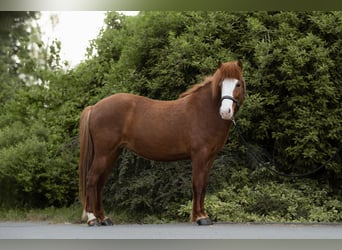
<point x="201" y="167"/>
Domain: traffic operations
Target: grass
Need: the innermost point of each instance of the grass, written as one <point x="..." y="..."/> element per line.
<point x="70" y="215"/>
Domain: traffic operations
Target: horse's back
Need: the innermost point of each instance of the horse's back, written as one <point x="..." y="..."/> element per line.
<point x="142" y="109"/>
<point x="151" y="128"/>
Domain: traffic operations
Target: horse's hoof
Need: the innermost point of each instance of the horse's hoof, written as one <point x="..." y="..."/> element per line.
<point x="204" y="222"/>
<point x="107" y="222"/>
<point x="93" y="223"/>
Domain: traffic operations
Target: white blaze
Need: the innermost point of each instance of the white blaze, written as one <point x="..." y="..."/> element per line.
<point x="226" y="109"/>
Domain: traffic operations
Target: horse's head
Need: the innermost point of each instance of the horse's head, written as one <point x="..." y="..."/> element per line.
<point x="230" y="83"/>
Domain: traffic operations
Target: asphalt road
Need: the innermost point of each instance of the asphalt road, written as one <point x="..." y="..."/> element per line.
<point x="40" y="230"/>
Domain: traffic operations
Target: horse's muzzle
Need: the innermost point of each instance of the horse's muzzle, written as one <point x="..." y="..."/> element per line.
<point x="226" y="113"/>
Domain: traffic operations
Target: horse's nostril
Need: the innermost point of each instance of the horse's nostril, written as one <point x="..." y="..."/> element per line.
<point x="226" y="114"/>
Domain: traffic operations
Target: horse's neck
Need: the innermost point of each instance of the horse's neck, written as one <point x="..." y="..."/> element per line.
<point x="205" y="103"/>
<point x="205" y="115"/>
<point x="205" y="96"/>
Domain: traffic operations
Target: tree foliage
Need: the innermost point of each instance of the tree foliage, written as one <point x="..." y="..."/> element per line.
<point x="292" y="63"/>
<point x="30" y="136"/>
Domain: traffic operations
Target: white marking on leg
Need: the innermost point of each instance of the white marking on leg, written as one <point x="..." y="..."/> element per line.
<point x="226" y="109"/>
<point x="91" y="217"/>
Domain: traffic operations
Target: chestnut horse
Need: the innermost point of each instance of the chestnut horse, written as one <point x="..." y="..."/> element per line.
<point x="195" y="126"/>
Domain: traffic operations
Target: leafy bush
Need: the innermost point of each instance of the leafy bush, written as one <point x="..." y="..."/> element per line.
<point x="144" y="187"/>
<point x="272" y="201"/>
<point x="28" y="176"/>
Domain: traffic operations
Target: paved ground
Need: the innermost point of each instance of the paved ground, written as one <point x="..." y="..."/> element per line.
<point x="29" y="230"/>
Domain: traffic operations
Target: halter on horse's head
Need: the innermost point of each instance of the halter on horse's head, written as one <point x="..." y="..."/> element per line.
<point x="232" y="86"/>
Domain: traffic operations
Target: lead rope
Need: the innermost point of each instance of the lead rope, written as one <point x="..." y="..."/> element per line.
<point x="266" y="165"/>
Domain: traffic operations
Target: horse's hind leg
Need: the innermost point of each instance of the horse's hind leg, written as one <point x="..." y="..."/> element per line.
<point x="105" y="221"/>
<point x="99" y="203"/>
<point x="92" y="179"/>
<point x="96" y="179"/>
<point x="109" y="164"/>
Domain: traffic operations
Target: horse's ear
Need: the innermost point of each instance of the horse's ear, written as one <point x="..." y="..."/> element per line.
<point x="239" y="63"/>
<point x="219" y="64"/>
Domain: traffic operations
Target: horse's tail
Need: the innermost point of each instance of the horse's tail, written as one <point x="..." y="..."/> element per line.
<point x="86" y="154"/>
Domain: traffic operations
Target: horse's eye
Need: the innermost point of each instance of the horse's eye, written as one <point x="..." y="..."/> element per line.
<point x="238" y="85"/>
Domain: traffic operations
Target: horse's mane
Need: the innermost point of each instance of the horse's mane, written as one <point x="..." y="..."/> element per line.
<point x="225" y="70"/>
<point x="197" y="87"/>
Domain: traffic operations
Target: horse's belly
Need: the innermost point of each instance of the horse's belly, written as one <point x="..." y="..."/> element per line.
<point x="159" y="149"/>
<point x="166" y="157"/>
